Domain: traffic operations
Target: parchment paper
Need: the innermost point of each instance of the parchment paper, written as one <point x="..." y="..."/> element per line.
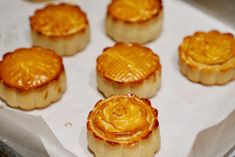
<point x="185" y="108"/>
<point x="29" y="135"/>
<point x="216" y="141"/>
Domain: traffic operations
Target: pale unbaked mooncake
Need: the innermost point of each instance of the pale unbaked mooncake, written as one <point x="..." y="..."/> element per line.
<point x="31" y="78"/>
<point x="138" y="21"/>
<point x="123" y="125"/>
<point x="63" y="28"/>
<point x="128" y="68"/>
<point x="208" y="57"/>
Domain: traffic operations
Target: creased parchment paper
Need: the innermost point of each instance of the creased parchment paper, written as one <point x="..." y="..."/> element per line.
<point x="29" y="135"/>
<point x="216" y="141"/>
<point x="185" y="108"/>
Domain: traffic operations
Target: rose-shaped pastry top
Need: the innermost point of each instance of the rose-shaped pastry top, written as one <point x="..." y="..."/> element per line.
<point x="127" y="63"/>
<point x="134" y="10"/>
<point x="209" y="48"/>
<point x="28" y="68"/>
<point x="59" y="20"/>
<point x="122" y="119"/>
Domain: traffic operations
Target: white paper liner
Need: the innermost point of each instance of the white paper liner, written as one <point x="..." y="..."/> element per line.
<point x="216" y="141"/>
<point x="185" y="108"/>
<point x="29" y="135"/>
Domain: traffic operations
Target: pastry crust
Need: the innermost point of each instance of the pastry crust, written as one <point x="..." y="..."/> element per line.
<point x="123" y="125"/>
<point x="208" y="57"/>
<point x="31" y="78"/>
<point x="135" y="21"/>
<point x="39" y="0"/>
<point x="128" y="68"/>
<point x="63" y="28"/>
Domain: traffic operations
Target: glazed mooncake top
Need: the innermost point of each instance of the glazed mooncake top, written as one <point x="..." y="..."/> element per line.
<point x="29" y="68"/>
<point x="59" y="20"/>
<point x="122" y="119"/>
<point x="127" y="63"/>
<point x="134" y="10"/>
<point x="209" y="48"/>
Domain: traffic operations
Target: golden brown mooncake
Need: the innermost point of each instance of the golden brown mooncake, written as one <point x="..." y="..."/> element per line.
<point x="208" y="57"/>
<point x="123" y="125"/>
<point x="31" y="78"/>
<point x="128" y="68"/>
<point x="39" y="0"/>
<point x="63" y="28"/>
<point x="138" y="21"/>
